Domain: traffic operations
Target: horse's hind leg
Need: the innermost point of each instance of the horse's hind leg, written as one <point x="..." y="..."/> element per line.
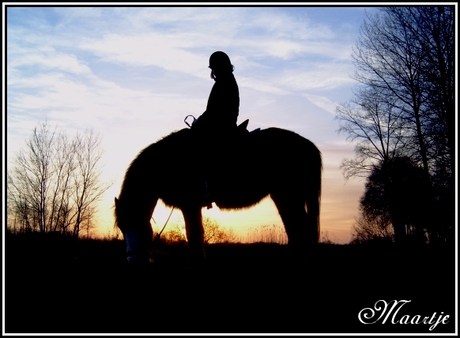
<point x="297" y="224"/>
<point x="195" y="232"/>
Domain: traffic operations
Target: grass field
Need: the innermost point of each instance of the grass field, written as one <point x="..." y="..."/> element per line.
<point x="58" y="285"/>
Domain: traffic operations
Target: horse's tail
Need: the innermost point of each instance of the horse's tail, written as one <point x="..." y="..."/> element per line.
<point x="313" y="193"/>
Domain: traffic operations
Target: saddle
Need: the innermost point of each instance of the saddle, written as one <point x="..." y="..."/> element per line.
<point x="243" y="126"/>
<point x="241" y="133"/>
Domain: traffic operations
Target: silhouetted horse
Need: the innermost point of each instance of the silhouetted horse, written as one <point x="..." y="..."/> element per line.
<point x="272" y="161"/>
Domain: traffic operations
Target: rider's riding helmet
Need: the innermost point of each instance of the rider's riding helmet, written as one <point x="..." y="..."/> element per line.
<point x="219" y="60"/>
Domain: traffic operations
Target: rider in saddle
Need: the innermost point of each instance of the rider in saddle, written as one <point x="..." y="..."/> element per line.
<point x="216" y="128"/>
<point x="219" y="120"/>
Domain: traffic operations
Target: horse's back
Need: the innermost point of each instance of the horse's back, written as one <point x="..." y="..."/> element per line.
<point x="284" y="144"/>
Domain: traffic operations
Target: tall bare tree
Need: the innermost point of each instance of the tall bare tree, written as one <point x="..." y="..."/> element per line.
<point x="433" y="29"/>
<point x="87" y="187"/>
<point x="387" y="62"/>
<point x="403" y="106"/>
<point x="372" y="121"/>
<point x="64" y="161"/>
<point x="55" y="183"/>
<point x="30" y="181"/>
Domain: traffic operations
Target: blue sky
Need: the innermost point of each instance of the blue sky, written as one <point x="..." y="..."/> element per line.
<point x="132" y="74"/>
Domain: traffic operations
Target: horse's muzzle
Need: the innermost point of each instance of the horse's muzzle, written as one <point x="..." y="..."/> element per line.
<point x="138" y="245"/>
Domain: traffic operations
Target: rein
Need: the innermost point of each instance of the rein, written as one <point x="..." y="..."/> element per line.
<point x="189" y="124"/>
<point x="164" y="226"/>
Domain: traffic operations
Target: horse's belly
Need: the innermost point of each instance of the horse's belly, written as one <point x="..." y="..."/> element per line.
<point x="236" y="196"/>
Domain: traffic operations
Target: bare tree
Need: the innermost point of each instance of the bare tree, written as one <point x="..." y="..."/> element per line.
<point x="433" y="29"/>
<point x="54" y="185"/>
<point x="87" y="187"/>
<point x="374" y="123"/>
<point x="387" y="62"/>
<point x="64" y="161"/>
<point x="29" y="184"/>
<point x="403" y="106"/>
<point x="407" y="55"/>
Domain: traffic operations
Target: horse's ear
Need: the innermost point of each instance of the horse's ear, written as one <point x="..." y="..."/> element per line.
<point x="116" y="201"/>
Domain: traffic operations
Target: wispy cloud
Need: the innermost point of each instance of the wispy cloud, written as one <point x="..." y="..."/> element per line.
<point x="180" y="39"/>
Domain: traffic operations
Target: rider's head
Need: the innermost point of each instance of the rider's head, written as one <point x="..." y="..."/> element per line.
<point x="219" y="62"/>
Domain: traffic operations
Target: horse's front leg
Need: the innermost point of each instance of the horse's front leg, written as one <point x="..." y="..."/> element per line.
<point x="195" y="233"/>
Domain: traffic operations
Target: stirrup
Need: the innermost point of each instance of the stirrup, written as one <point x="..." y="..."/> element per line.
<point x="189" y="124"/>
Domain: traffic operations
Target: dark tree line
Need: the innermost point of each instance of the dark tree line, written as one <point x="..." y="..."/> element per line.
<point x="402" y="120"/>
<point x="54" y="183"/>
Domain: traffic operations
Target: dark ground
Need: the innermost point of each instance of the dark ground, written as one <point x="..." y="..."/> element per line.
<point x="58" y="285"/>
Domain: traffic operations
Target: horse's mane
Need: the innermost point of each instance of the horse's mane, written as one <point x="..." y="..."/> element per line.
<point x="166" y="143"/>
<point x="159" y="149"/>
<point x="142" y="162"/>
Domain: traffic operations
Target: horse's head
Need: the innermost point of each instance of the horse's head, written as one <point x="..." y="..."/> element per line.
<point x="136" y="230"/>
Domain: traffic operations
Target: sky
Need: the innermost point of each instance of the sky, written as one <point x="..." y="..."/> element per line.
<point x="132" y="74"/>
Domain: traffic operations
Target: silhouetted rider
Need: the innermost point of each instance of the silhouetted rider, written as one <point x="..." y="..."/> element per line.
<point x="216" y="128"/>
<point x="219" y="120"/>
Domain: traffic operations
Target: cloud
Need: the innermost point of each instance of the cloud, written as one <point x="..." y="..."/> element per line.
<point x="262" y="86"/>
<point x="322" y="102"/>
<point x="170" y="37"/>
<point x="151" y="49"/>
<point x="58" y="67"/>
<point x="290" y="23"/>
<point x="323" y="76"/>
